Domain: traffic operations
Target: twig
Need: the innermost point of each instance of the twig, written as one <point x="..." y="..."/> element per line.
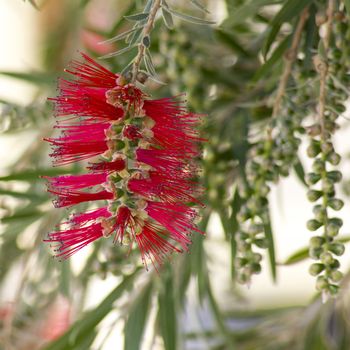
<point x="146" y="31"/>
<point x="289" y="61"/>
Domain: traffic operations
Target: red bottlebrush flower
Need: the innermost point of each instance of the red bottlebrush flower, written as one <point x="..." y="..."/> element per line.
<point x="147" y="166"/>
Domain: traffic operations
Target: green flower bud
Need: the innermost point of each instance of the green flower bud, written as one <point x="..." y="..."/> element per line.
<point x="312" y="178"/>
<point x="335" y="175"/>
<point x="317" y="241"/>
<point x="314" y="149"/>
<point x="336" y="276"/>
<point x="261" y="243"/>
<point x="332" y="229"/>
<point x="333" y="289"/>
<point x="336" y="221"/>
<point x="315" y="253"/>
<point x="318" y="166"/>
<point x="244" y="214"/>
<point x="243" y="246"/>
<point x="326" y="258"/>
<point x="321" y="283"/>
<point x="313" y="195"/>
<point x="242" y="236"/>
<point x="316" y="268"/>
<point x="243" y="278"/>
<point x="333" y="158"/>
<point x="254" y="229"/>
<point x="335" y="264"/>
<point x="263" y="190"/>
<point x="255" y="268"/>
<point x="337" y="248"/>
<point x="241" y="262"/>
<point x="336" y="204"/>
<point x="327" y="147"/>
<point x="257" y="257"/>
<point x="313" y="225"/>
<point x="327" y="186"/>
<point x="320" y="213"/>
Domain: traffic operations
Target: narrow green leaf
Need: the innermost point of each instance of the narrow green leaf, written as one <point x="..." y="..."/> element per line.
<point x="247" y="10"/>
<point x="22" y="195"/>
<point x="65" y="276"/>
<point x="80" y="330"/>
<point x="271" y="248"/>
<point x="34" y="175"/>
<point x="290" y="10"/>
<point x="235" y="206"/>
<point x="189" y="18"/>
<point x="231" y="41"/>
<point x="37" y="78"/>
<point x="120" y="36"/>
<point x="137" y="17"/>
<point x="167" y="320"/>
<point x="299" y="170"/>
<point x="167" y="18"/>
<point x="21" y="215"/>
<point x="120" y="52"/>
<point x="274" y="58"/>
<point x="199" y="6"/>
<point x="136" y="321"/>
<point x="303" y="253"/>
<point x="347" y="6"/>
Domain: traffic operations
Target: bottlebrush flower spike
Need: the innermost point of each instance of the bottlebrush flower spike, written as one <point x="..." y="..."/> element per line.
<point x="147" y="171"/>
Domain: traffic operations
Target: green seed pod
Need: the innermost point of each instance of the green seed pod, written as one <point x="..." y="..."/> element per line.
<point x="313" y="225"/>
<point x="326" y="258"/>
<point x="333" y="289"/>
<point x="321" y="283"/>
<point x="336" y="276"/>
<point x="337" y="248"/>
<point x="315" y="253"/>
<point x="317" y="241"/>
<point x="316" y="268"/>
<point x="336" y="221"/>
<point x="313" y="195"/>
<point x="333" y="158"/>
<point x="320" y="213"/>
<point x="312" y="178"/>
<point x="334" y="175"/>
<point x="335" y="203"/>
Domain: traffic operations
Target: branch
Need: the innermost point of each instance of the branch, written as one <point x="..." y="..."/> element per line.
<point x="147" y="30"/>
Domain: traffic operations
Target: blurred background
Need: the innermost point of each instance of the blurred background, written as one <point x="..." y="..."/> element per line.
<point x="102" y="299"/>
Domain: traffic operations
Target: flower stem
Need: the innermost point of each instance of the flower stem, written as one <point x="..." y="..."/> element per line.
<point x="146" y="31"/>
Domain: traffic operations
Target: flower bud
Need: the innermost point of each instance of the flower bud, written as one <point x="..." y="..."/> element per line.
<point x="261" y="243"/>
<point x="332" y="229"/>
<point x="336" y="276"/>
<point x="321" y="283"/>
<point x="313" y="225"/>
<point x="312" y="178"/>
<point x="316" y="268"/>
<point x="315" y="253"/>
<point x="335" y="175"/>
<point x="333" y="289"/>
<point x="255" y="268"/>
<point x="320" y="213"/>
<point x="333" y="158"/>
<point x="314" y="149"/>
<point x="337" y="248"/>
<point x="335" y="264"/>
<point x="317" y="241"/>
<point x="326" y="258"/>
<point x="318" y="166"/>
<point x="336" y="204"/>
<point x="313" y="195"/>
<point x="327" y="186"/>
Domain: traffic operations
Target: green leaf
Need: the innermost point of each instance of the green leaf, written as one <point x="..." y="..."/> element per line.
<point x="65" y="276"/>
<point x="34" y="175"/>
<point x="274" y="58"/>
<point x="189" y="18"/>
<point x="36" y="78"/>
<point x="167" y="320"/>
<point x="199" y="6"/>
<point x="231" y="41"/>
<point x="271" y="248"/>
<point x="120" y="36"/>
<point x="347" y="6"/>
<point x="290" y="10"/>
<point x="120" y="52"/>
<point x="167" y="18"/>
<point x="303" y="253"/>
<point x="81" y="329"/>
<point x="235" y="206"/>
<point x="23" y="195"/>
<point x="299" y="170"/>
<point x="27" y="213"/>
<point x="137" y="17"/>
<point x="136" y="321"/>
<point x="247" y="10"/>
